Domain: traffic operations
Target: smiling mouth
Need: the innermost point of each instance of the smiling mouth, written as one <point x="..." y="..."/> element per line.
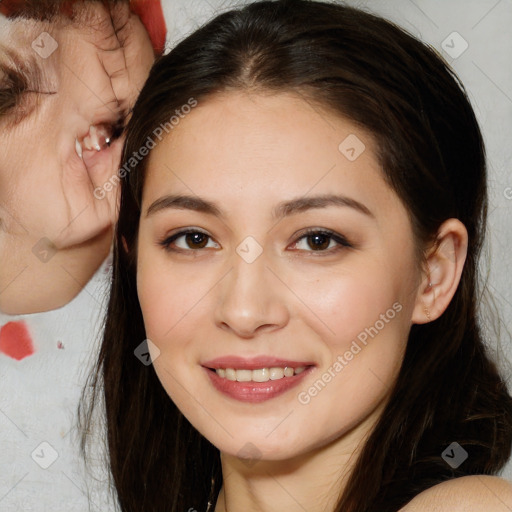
<point x="259" y="374"/>
<point x="253" y="384"/>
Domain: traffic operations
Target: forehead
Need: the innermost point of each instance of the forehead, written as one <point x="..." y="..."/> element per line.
<point x="263" y="147"/>
<point x="90" y="28"/>
<point x="250" y="153"/>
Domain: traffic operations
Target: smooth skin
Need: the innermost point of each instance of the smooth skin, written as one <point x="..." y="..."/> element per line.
<point x="303" y="298"/>
<point x="46" y="190"/>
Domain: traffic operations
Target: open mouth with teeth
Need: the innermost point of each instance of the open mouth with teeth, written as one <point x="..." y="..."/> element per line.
<point x="255" y="385"/>
<point x="258" y="375"/>
<point x="99" y="137"/>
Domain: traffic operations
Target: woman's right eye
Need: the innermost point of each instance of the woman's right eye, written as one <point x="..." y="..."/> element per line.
<point x="189" y="241"/>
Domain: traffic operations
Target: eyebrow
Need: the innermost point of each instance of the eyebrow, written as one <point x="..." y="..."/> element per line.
<point x="284" y="209"/>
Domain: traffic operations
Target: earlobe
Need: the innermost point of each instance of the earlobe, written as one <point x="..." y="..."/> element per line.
<point x="441" y="278"/>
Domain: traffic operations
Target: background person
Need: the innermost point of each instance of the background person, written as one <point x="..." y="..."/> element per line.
<point x="48" y="101"/>
<point x="69" y="75"/>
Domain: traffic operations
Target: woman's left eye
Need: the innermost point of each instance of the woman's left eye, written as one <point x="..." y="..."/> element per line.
<point x="189" y="241"/>
<point x="320" y="241"/>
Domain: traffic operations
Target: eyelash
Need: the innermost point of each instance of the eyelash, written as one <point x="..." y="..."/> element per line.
<point x="14" y="89"/>
<point x="339" y="239"/>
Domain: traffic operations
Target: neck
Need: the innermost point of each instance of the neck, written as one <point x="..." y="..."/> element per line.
<point x="313" y="481"/>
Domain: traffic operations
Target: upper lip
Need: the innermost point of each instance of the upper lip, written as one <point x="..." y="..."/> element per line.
<point x="253" y="363"/>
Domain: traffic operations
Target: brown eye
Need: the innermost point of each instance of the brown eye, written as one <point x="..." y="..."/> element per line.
<point x="196" y="240"/>
<point x="319" y="241"/>
<point x="189" y="240"/>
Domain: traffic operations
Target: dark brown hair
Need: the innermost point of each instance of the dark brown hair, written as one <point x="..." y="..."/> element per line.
<point x="371" y="72"/>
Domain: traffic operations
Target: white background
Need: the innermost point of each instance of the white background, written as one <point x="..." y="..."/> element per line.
<point x="38" y="395"/>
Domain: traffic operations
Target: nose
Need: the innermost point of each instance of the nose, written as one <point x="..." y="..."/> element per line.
<point x="251" y="300"/>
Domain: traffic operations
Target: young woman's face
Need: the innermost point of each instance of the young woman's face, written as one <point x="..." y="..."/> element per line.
<point x="276" y="274"/>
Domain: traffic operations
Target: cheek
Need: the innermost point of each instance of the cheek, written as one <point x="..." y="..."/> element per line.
<point x="345" y="304"/>
<point x="170" y="297"/>
<point x="167" y="300"/>
<point x="362" y="320"/>
<point x="23" y="179"/>
<point x="366" y="334"/>
<point x="9" y="172"/>
<point x="170" y="302"/>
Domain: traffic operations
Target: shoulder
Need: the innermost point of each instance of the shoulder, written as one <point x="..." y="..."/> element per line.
<point x="464" y="494"/>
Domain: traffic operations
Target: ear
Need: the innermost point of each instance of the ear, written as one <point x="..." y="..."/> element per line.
<point x="441" y="278"/>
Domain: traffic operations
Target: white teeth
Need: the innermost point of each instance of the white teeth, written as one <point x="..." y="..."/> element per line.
<point x="276" y="373"/>
<point x="78" y="148"/>
<point x="262" y="375"/>
<point x="94" y="137"/>
<point x="98" y="138"/>
<point x="230" y="374"/>
<point x="259" y="375"/>
<point x="87" y="143"/>
<point x="91" y="141"/>
<point x="288" y="372"/>
<point x="243" y="375"/>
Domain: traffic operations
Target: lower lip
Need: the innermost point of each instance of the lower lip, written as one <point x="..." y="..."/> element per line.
<point x="254" y="392"/>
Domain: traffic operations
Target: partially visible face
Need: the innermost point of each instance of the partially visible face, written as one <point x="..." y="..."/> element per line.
<point x="92" y="79"/>
<point x="276" y="274"/>
<point x="64" y="144"/>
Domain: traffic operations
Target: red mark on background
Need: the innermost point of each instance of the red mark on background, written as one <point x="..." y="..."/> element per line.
<point x="15" y="340"/>
<point x="152" y="16"/>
